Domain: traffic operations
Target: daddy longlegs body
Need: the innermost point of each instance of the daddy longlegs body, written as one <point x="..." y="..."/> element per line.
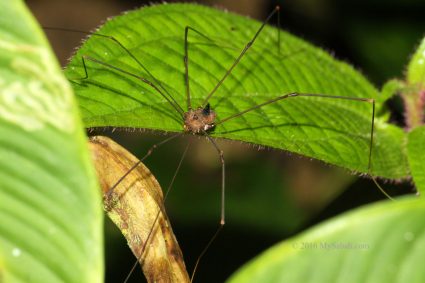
<point x="203" y="119"/>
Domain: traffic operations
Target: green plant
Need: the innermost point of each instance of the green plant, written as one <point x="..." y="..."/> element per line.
<point x="50" y="207"/>
<point x="334" y="131"/>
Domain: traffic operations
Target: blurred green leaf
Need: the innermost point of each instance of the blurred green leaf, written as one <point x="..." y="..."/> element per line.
<point x="416" y="68"/>
<point x="391" y="88"/>
<point x="361" y="246"/>
<point x="50" y="206"/>
<point x="414" y="92"/>
<point x="333" y="130"/>
<point x="416" y="155"/>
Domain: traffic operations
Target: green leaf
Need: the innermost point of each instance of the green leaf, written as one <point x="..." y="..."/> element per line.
<point x="50" y="206"/>
<point x="416" y="68"/>
<point x="416" y="156"/>
<point x="336" y="131"/>
<point x="360" y="246"/>
<point x="391" y="88"/>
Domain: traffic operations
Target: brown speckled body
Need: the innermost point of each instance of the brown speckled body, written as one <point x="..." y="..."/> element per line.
<point x="200" y="120"/>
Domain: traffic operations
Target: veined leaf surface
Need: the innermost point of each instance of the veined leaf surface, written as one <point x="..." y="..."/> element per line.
<point x="50" y="207"/>
<point x="336" y="131"/>
<point x="359" y="246"/>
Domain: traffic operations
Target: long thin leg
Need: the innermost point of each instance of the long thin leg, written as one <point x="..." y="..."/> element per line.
<point x="149" y="152"/>
<point x="113" y="39"/>
<point x="85" y="57"/>
<point x="290" y="95"/>
<point x="186" y="68"/>
<point x="139" y="259"/>
<point x="369" y="167"/>
<point x="247" y="46"/>
<point x="186" y="61"/>
<point x="186" y="57"/>
<point x="198" y="260"/>
<point x="223" y="175"/>
<point x="222" y="218"/>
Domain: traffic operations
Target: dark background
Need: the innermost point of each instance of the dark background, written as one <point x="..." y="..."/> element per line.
<point x="271" y="194"/>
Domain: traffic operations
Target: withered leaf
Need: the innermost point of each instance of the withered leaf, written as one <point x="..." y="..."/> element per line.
<point x="136" y="207"/>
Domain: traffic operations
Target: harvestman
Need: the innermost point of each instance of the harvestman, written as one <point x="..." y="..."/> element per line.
<point x="202" y="120"/>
